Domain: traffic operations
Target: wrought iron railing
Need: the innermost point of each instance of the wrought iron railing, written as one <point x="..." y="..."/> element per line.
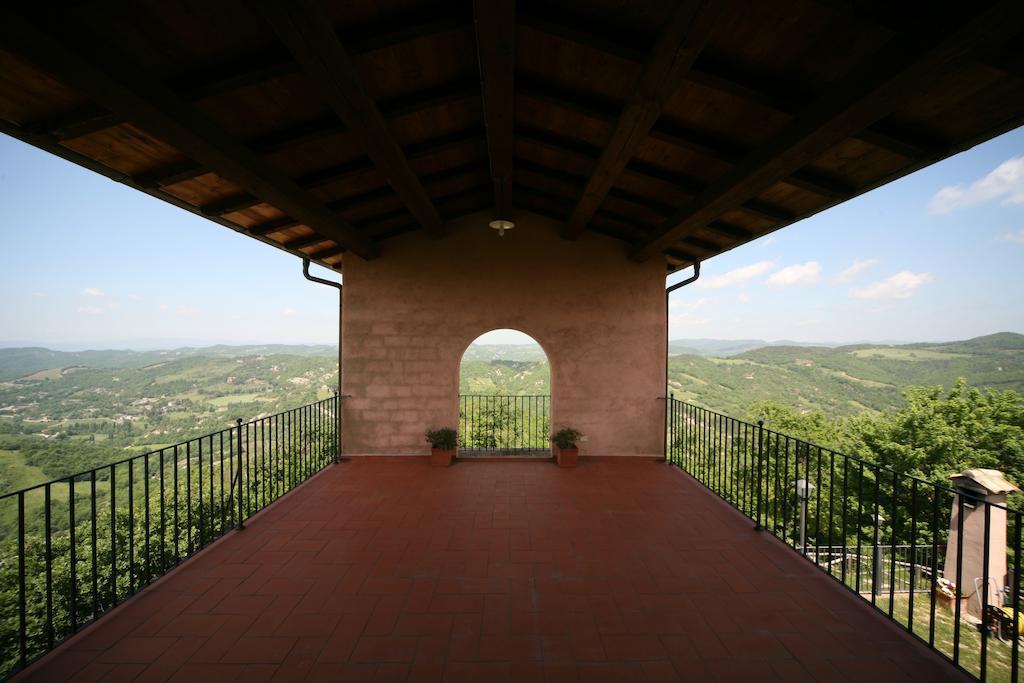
<point x="78" y="546"/>
<point x="880" y="533"/>
<point x="504" y="425"/>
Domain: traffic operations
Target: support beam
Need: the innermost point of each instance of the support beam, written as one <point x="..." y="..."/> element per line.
<point x="116" y="84"/>
<point x="251" y="69"/>
<point x="305" y="28"/>
<point x="685" y="35"/>
<point x="496" y="51"/>
<point x="873" y="90"/>
<point x="316" y="129"/>
<point x="682" y="184"/>
<point x="726" y="78"/>
<point x="347" y="170"/>
<point x="695" y="141"/>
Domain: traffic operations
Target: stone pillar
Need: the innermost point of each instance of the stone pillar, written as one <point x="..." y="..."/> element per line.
<point x="978" y="487"/>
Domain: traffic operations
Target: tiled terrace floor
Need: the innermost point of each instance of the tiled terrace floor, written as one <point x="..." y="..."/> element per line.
<point x="491" y="571"/>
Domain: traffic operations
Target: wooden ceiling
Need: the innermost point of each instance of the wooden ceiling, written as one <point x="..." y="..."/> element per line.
<point x="683" y="129"/>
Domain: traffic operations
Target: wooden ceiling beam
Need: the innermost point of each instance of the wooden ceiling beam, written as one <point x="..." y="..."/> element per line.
<point x="316" y="129"/>
<point x="681" y="183"/>
<point x="326" y="252"/>
<point x="347" y="170"/>
<point x="363" y="198"/>
<point x="686" y="33"/>
<point x="873" y="90"/>
<point x="250" y="69"/>
<point x="495" y="22"/>
<point x="680" y="136"/>
<point x="114" y="82"/>
<point x="307" y="241"/>
<point x="727" y="78"/>
<point x="305" y="29"/>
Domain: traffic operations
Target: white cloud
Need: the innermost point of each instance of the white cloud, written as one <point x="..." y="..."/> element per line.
<point x="1005" y="182"/>
<point x="798" y="274"/>
<point x="687" y="320"/>
<point x="135" y="297"/>
<point x="164" y="307"/>
<point x="737" y="276"/>
<point x="855" y="269"/>
<point x="39" y="295"/>
<point x="289" y="312"/>
<point x="1017" y="237"/>
<point x="186" y="311"/>
<point x="899" y="286"/>
<point x="681" y="304"/>
<point x="91" y="291"/>
<point x="90" y="310"/>
<point x="743" y="297"/>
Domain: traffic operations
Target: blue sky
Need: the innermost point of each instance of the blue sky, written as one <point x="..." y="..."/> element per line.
<point x="88" y="263"/>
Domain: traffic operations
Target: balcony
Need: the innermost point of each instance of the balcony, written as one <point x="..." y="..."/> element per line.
<point x="623" y="143"/>
<point x="497" y="569"/>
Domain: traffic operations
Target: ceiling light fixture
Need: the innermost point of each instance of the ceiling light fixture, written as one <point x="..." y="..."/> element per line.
<point x="501" y="225"/>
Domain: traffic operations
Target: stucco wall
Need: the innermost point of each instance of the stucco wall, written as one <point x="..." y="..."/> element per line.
<point x="409" y="316"/>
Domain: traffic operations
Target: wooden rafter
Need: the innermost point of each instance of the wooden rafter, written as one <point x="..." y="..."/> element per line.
<point x="869" y="93"/>
<point x="348" y="170"/>
<point x="681" y="183"/>
<point x="306" y="30"/>
<point x="730" y="79"/>
<point x="313" y="130"/>
<point x="693" y="140"/>
<point x="116" y="84"/>
<point x="682" y="39"/>
<point x="250" y="69"/>
<point x="496" y="52"/>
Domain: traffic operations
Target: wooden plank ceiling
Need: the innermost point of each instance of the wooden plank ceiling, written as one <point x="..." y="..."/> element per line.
<point x="683" y="129"/>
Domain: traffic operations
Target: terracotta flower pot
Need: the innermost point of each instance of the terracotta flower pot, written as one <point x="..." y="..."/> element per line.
<point x="567" y="457"/>
<point x="441" y="457"/>
<point x="950" y="603"/>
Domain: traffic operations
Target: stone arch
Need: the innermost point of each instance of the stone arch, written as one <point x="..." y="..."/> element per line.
<point x="511" y="420"/>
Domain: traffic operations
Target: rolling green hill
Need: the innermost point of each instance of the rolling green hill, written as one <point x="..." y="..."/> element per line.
<point x="845" y="380"/>
<point x="96" y="405"/>
<point x="21" y="362"/>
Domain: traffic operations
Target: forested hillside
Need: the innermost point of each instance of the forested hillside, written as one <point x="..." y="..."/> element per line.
<point x="64" y="419"/>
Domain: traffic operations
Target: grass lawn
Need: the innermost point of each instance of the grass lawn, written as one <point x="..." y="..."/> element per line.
<point x="999" y="652"/>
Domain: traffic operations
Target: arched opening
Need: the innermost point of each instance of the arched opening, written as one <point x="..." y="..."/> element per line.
<point x="504" y="396"/>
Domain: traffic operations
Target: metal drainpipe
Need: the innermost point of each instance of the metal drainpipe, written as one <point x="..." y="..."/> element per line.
<point x="668" y="292"/>
<point x="337" y="285"/>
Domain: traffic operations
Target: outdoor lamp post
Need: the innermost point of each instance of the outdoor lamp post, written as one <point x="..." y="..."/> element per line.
<point x="803" y="492"/>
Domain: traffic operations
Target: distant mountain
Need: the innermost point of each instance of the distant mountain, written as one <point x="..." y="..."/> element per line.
<point x="729" y="347"/>
<point x="21" y="362"/>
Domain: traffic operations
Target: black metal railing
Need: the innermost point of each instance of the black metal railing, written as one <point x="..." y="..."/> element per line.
<point x="504" y="425"/>
<point x="880" y="533"/>
<point x="75" y="547"/>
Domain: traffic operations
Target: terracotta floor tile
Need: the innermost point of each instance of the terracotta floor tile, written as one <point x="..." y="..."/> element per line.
<point x="494" y="571"/>
<point x="137" y="649"/>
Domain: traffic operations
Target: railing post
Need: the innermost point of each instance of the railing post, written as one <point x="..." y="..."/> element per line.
<point x="238" y="440"/>
<point x="337" y="428"/>
<point x="760" y="463"/>
<point x="670" y="419"/>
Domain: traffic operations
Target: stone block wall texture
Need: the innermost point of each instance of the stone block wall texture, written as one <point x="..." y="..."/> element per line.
<point x="410" y="315"/>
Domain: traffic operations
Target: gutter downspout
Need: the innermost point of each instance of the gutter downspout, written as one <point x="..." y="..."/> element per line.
<point x="337" y="392"/>
<point x="668" y="396"/>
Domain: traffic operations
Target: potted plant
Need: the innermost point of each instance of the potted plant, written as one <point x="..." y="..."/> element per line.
<point x="566" y="451"/>
<point x="443" y="443"/>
